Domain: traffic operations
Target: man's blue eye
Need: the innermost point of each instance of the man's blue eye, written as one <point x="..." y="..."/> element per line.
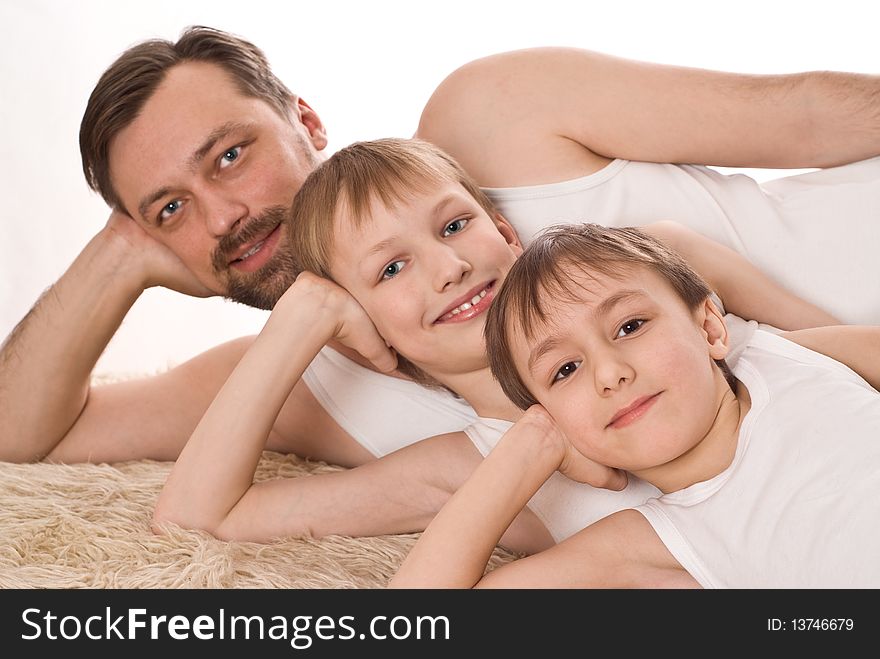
<point x="232" y="154"/>
<point x="169" y="209"/>
<point x="454" y="227"/>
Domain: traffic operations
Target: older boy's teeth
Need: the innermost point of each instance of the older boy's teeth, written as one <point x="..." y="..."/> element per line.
<point x="467" y="305"/>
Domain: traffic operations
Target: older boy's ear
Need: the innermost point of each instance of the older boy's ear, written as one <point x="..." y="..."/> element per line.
<point x="509" y="233"/>
<point x="715" y="329"/>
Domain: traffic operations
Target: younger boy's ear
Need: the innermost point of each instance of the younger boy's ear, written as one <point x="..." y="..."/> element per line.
<point x="509" y="233"/>
<point x="715" y="329"/>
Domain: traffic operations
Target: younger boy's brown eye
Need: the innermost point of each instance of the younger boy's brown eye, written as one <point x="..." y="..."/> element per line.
<point x="630" y="326"/>
<point x="565" y="371"/>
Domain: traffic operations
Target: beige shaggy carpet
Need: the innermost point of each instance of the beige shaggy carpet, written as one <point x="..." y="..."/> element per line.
<point x="87" y="526"/>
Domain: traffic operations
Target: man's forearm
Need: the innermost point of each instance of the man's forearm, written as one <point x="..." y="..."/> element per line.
<point x="47" y="360"/>
<point x="845" y="112"/>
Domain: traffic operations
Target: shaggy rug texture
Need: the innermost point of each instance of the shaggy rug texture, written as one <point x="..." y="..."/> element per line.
<point x="88" y="526"/>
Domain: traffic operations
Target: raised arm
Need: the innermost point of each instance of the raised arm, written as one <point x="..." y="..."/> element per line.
<point x="211" y="485"/>
<point x="47" y="360"/>
<point x="743" y="288"/>
<point x="515" y="116"/>
<point x="454" y="549"/>
<point x="856" y="346"/>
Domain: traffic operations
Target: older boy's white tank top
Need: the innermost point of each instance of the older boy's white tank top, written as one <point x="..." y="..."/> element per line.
<point x="817" y="234"/>
<point x="798" y="505"/>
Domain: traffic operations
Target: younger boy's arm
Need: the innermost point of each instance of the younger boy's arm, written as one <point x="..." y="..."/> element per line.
<point x="454" y="549"/>
<point x="857" y="346"/>
<point x="744" y="289"/>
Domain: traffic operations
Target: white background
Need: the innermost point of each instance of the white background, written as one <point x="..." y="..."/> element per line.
<point x="366" y="67"/>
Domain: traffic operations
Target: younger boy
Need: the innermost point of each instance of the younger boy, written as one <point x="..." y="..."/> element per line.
<point x="610" y="341"/>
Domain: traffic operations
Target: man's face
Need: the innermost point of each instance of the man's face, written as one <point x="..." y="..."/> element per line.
<point x="211" y="174"/>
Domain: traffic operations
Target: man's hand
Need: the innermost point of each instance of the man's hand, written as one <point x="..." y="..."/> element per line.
<point x="572" y="463"/>
<point x="321" y="300"/>
<point x="158" y="265"/>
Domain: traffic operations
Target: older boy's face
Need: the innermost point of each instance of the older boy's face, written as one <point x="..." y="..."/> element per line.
<point x="211" y="174"/>
<point x="627" y="370"/>
<point x="426" y="271"/>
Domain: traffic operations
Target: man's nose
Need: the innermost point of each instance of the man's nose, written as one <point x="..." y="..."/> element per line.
<point x="223" y="213"/>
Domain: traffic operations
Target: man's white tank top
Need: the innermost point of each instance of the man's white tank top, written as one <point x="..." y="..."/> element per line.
<point x="798" y="507"/>
<point x="817" y="234"/>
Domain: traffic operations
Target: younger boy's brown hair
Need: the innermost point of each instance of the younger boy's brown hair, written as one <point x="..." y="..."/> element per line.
<point x="553" y="265"/>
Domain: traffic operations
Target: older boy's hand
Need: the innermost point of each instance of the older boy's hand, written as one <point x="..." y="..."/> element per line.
<point x="573" y="463"/>
<point x="324" y="302"/>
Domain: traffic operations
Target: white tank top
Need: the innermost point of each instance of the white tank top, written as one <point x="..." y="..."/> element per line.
<point x="817" y="234"/>
<point x="380" y="412"/>
<point x="798" y="507"/>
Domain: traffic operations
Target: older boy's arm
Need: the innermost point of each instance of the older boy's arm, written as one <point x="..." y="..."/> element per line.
<point x="525" y="110"/>
<point x="856" y="346"/>
<point x="743" y="288"/>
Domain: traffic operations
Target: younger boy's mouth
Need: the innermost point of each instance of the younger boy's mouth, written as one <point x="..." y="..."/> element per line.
<point x="473" y="303"/>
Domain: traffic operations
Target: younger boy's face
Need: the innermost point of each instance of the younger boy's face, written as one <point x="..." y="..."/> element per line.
<point x="426" y="271"/>
<point x="626" y="370"/>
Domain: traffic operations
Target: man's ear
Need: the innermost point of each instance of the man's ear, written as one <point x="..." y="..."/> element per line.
<point x="312" y="122"/>
<point x="714" y="329"/>
<point x="506" y="229"/>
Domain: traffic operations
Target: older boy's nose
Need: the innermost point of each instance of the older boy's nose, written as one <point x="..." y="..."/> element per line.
<point x="449" y="268"/>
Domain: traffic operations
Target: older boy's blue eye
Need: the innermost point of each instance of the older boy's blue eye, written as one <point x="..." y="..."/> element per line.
<point x="392" y="269"/>
<point x="454" y="227"/>
<point x="630" y="326"/>
<point x="567" y="369"/>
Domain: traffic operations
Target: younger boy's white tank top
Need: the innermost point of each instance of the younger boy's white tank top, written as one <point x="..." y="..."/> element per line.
<point x="817" y="234"/>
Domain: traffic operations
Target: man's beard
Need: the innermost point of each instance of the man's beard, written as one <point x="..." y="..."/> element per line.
<point x="263" y="287"/>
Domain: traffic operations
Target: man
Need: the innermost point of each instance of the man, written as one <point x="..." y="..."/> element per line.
<point x="199" y="149"/>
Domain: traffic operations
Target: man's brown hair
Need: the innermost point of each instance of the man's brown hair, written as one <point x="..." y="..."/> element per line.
<point x="132" y="79"/>
<point x="554" y="265"/>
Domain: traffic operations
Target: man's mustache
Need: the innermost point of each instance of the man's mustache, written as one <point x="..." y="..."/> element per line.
<point x="259" y="226"/>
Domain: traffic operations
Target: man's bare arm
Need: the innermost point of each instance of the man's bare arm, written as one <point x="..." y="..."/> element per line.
<point x="47" y="360"/>
<point x="857" y="346"/>
<point x="524" y="117"/>
<point x="744" y="289"/>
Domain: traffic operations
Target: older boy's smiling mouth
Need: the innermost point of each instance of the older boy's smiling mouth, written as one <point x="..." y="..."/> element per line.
<point x="473" y="303"/>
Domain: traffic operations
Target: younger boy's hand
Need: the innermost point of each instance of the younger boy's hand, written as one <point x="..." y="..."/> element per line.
<point x="573" y="463"/>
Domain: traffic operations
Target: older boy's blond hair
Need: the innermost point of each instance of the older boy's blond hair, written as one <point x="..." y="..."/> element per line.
<point x="388" y="170"/>
<point x="554" y="266"/>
